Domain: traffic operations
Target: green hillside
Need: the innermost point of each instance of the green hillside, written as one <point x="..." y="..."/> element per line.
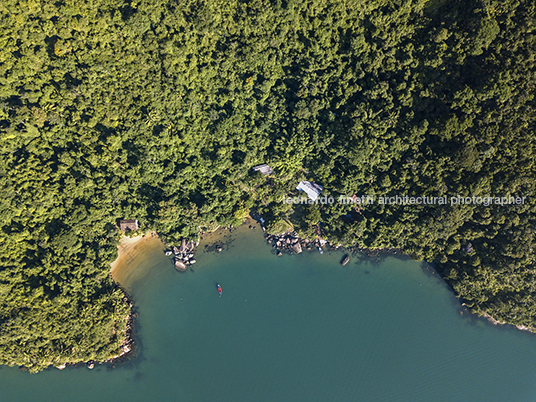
<point x="157" y="111"/>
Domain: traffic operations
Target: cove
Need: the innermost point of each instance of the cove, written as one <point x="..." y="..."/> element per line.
<point x="296" y="328"/>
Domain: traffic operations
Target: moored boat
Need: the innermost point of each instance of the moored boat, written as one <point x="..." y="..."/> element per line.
<point x="345" y="259"/>
<point x="320" y="250"/>
<point x="219" y="289"/>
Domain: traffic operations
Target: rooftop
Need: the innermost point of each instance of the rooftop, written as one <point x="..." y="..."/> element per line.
<point x="128" y="224"/>
<point x="313" y="190"/>
<point x="264" y="169"/>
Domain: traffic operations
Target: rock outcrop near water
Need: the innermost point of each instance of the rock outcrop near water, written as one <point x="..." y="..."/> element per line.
<point x="182" y="255"/>
<point x="291" y="243"/>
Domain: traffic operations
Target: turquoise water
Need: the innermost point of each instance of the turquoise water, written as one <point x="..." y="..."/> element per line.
<point x="297" y="328"/>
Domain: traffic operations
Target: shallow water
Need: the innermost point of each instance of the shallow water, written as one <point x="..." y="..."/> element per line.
<point x="296" y="328"/>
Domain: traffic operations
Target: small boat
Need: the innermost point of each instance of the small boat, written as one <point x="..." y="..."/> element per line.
<point x="345" y="259"/>
<point x="320" y="250"/>
<point x="219" y="289"/>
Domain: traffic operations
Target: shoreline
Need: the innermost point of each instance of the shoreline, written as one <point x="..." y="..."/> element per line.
<point x="127" y="346"/>
<point x="493" y="321"/>
<point x="128" y="251"/>
<point x="277" y="241"/>
<point x="130" y="248"/>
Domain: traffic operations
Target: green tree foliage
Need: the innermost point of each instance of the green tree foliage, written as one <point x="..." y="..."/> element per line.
<point x="157" y="110"/>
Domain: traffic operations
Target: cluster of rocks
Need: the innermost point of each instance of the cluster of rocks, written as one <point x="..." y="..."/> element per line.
<point x="290" y="243"/>
<point x="183" y="255"/>
<point x="327" y="244"/>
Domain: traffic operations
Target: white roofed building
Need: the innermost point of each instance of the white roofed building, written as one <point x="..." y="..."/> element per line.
<point x="313" y="190"/>
<point x="264" y="169"/>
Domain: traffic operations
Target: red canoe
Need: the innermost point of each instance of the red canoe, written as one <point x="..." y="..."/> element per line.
<point x="219" y="289"/>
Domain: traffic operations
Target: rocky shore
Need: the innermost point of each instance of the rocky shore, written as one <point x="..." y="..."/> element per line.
<point x="182" y="255"/>
<point x="493" y="321"/>
<point x="290" y="243"/>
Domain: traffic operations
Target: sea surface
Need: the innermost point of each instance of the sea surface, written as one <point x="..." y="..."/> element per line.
<point x="296" y="328"/>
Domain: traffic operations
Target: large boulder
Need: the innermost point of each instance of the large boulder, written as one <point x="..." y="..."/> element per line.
<point x="180" y="265"/>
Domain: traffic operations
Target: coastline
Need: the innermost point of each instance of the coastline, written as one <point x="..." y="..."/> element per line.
<point x="277" y="241"/>
<point x="171" y="347"/>
<point x="132" y="250"/>
<point x="123" y="270"/>
<point x="493" y="321"/>
<point x="219" y="239"/>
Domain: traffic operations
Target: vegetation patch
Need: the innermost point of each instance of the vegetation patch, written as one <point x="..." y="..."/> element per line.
<point x="157" y="111"/>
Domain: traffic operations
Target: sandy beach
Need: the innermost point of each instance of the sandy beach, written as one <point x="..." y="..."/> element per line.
<point x="132" y="254"/>
<point x="136" y="255"/>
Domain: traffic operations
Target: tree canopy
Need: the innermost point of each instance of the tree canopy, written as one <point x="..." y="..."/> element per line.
<point x="158" y="110"/>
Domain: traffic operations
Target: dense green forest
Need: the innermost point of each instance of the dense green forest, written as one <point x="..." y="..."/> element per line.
<point x="157" y="111"/>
